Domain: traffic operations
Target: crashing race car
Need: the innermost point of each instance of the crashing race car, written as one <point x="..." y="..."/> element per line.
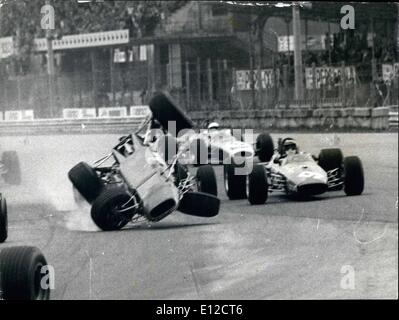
<point x="10" y="170"/>
<point x="217" y="145"/>
<point x="22" y="274"/>
<point x="3" y="219"/>
<point x="143" y="181"/>
<point x="304" y="175"/>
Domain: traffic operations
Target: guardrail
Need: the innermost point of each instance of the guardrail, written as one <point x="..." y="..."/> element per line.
<point x="66" y="126"/>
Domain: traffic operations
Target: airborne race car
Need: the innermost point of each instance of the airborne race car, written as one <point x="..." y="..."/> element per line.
<point x="144" y="181"/>
<point x="304" y="175"/>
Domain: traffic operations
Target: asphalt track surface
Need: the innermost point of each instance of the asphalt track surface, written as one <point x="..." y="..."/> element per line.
<point x="285" y="249"/>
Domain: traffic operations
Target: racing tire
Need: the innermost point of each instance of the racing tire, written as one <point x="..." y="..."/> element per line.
<point x="330" y="159"/>
<point x="354" y="176"/>
<point x="264" y="147"/>
<point x="164" y="110"/>
<point x="11" y="162"/>
<point x="206" y="180"/>
<point x="3" y="219"/>
<point x="86" y="181"/>
<point x="103" y="209"/>
<point x="235" y="185"/>
<point x="257" y="186"/>
<point x="21" y="274"/>
<point x="199" y="204"/>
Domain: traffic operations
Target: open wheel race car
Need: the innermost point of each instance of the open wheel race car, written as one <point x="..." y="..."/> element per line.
<point x="304" y="175"/>
<point x="23" y="274"/>
<point x="227" y="147"/>
<point x="10" y="170"/>
<point x="144" y="181"/>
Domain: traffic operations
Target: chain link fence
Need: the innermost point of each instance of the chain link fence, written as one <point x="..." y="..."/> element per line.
<point x="197" y="86"/>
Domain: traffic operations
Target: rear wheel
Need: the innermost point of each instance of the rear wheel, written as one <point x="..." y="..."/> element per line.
<point x="257" y="185"/>
<point x="11" y="163"/>
<point x="164" y="110"/>
<point x="22" y="274"/>
<point x="234" y="184"/>
<point x="108" y="210"/>
<point x="354" y="176"/>
<point x="330" y="159"/>
<point x="264" y="147"/>
<point x="199" y="204"/>
<point x="206" y="180"/>
<point x="3" y="219"/>
<point x="85" y="179"/>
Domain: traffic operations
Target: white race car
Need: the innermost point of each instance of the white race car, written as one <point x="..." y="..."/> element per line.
<point x="228" y="147"/>
<point x="304" y="175"/>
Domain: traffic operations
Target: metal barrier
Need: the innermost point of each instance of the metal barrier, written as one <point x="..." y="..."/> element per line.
<point x="64" y="126"/>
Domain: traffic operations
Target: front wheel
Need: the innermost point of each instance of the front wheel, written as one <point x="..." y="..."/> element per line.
<point x="354" y="176"/>
<point x="257" y="185"/>
<point x="206" y="180"/>
<point x="86" y="181"/>
<point x="111" y="209"/>
<point x="23" y="274"/>
<point x="3" y="219"/>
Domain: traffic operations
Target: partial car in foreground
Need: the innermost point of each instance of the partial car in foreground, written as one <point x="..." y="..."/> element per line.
<point x="23" y="274"/>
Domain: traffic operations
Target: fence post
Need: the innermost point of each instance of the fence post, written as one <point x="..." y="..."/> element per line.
<point x="199" y="89"/>
<point x="343" y="75"/>
<point x="285" y="79"/>
<point x="314" y="85"/>
<point x="111" y="65"/>
<point x="219" y="76"/>
<point x="93" y="78"/>
<point x="210" y="82"/>
<point x="226" y="83"/>
<point x="187" y="85"/>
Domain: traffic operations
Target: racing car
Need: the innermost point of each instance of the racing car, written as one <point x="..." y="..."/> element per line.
<point x="3" y="219"/>
<point x="227" y="147"/>
<point x="143" y="180"/>
<point x="304" y="175"/>
<point x="10" y="170"/>
<point x="23" y="274"/>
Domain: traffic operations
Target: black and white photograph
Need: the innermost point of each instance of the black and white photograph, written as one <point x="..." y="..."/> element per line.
<point x="203" y="151"/>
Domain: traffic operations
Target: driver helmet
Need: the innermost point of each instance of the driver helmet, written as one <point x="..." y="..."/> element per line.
<point x="213" y="126"/>
<point x="290" y="145"/>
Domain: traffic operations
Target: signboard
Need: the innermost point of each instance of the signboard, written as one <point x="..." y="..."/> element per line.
<point x="114" y="112"/>
<point x="79" y="113"/>
<point x="19" y="115"/>
<point x="86" y="40"/>
<point x="267" y="77"/>
<point x="329" y="76"/>
<point x="6" y="47"/>
<point x="390" y="71"/>
<point x="139" y="111"/>
<point x="313" y="42"/>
